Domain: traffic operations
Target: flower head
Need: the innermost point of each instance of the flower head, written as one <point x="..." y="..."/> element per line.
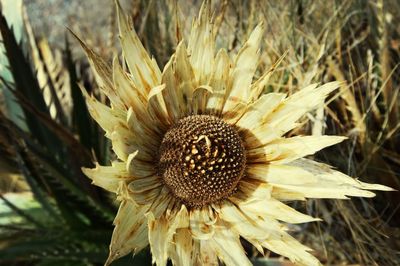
<point x="202" y="155"/>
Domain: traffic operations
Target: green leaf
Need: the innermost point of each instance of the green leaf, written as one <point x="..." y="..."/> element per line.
<point x="26" y="84"/>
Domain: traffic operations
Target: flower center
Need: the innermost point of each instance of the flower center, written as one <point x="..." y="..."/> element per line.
<point x="202" y="159"/>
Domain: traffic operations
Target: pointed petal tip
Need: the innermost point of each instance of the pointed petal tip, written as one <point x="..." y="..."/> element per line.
<point x="381" y="187"/>
<point x="86" y="170"/>
<point x="113" y="255"/>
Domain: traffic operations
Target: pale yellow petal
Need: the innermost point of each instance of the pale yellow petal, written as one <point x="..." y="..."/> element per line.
<point x="310" y="179"/>
<point x="146" y="132"/>
<point x="228" y="247"/>
<point x="106" y="117"/>
<point x="208" y="255"/>
<point x="328" y="191"/>
<point x="275" y="209"/>
<point x="327" y="173"/>
<point x="108" y="177"/>
<point x="200" y="98"/>
<point x="180" y="84"/>
<point x="148" y="197"/>
<point x="258" y="110"/>
<point x="281" y="174"/>
<point x="163" y="203"/>
<point x="243" y="71"/>
<point x="284" y="150"/>
<point x="145" y="190"/>
<point x="258" y="86"/>
<point x="253" y="226"/>
<point x="185" y="79"/>
<point x="286" y="115"/>
<point x="141" y="185"/>
<point x="238" y="221"/>
<point x="254" y="189"/>
<point x="286" y="195"/>
<point x="139" y="168"/>
<point x="125" y="142"/>
<point x="201" y="45"/>
<point x="171" y="93"/>
<point x="161" y="233"/>
<point x="282" y="243"/>
<point x="145" y="71"/>
<point x="112" y="121"/>
<point x="245" y="223"/>
<point x="103" y="74"/>
<point x="254" y="200"/>
<point x="157" y="108"/>
<point x="127" y="91"/>
<point x="259" y="136"/>
<point x="219" y="83"/>
<point x="130" y="232"/>
<point x="202" y="223"/>
<point x="183" y="248"/>
<point x="122" y="142"/>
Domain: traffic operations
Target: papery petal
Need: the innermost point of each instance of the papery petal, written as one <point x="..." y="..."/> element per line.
<point x="261" y="108"/>
<point x="130" y="232"/>
<point x="219" y="83"/>
<point x="146" y="134"/>
<point x="243" y="71"/>
<point x="123" y="142"/>
<point x="145" y="190"/>
<point x="285" y="150"/>
<point x="106" y="117"/>
<point x="127" y="91"/>
<point x="312" y="180"/>
<point x="183" y="248"/>
<point x="235" y="219"/>
<point x="284" y="118"/>
<point x="171" y="93"/>
<point x="202" y="223"/>
<point x="145" y="71"/>
<point x="277" y="210"/>
<point x="228" y="247"/>
<point x="201" y="45"/>
<point x="157" y="108"/>
<point x="141" y="185"/>
<point x="139" y="168"/>
<point x="207" y="254"/>
<point x="161" y="233"/>
<point x="102" y="73"/>
<point x="184" y="79"/>
<point x="164" y="203"/>
<point x="108" y="177"/>
<point x="258" y="86"/>
<point x="282" y="243"/>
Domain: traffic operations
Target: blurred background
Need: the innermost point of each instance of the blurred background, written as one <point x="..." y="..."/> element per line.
<point x="50" y="214"/>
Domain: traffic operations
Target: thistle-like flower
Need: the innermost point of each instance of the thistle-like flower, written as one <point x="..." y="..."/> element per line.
<point x="202" y="155"/>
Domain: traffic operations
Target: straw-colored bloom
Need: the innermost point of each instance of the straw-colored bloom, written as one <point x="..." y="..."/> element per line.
<point x="202" y="155"/>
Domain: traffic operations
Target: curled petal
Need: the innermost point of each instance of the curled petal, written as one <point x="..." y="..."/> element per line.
<point x="108" y="177"/>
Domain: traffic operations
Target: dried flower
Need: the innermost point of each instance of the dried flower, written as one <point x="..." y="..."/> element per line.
<point x="203" y="159"/>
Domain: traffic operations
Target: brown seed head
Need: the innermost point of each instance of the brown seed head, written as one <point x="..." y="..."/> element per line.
<point x="202" y="159"/>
